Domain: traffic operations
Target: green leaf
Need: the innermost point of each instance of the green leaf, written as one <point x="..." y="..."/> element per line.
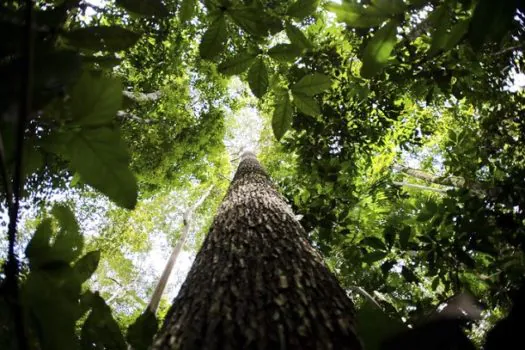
<point x="250" y="19"/>
<point x="297" y="37"/>
<point x="258" y="78"/>
<point x="377" y="52"/>
<point x="145" y="7"/>
<point x="140" y="333"/>
<point x="102" y="162"/>
<point x="86" y="265"/>
<point x="187" y="10"/>
<point x="389" y="7"/>
<point x="356" y="16"/>
<point x="95" y="100"/>
<point x="457" y="32"/>
<point x="409" y="275"/>
<point x="404" y="237"/>
<point x="284" y="52"/>
<point x="302" y="8"/>
<point x="47" y="294"/>
<point x="237" y="64"/>
<point x="213" y="39"/>
<point x="490" y="21"/>
<point x="100" y="330"/>
<point x="374" y="256"/>
<point x="374" y="242"/>
<point x="435" y="283"/>
<point x="312" y="84"/>
<point x="306" y="104"/>
<point x="374" y="325"/>
<point x="440" y="34"/>
<point x="110" y="38"/>
<point x="282" y="115"/>
<point x="38" y="248"/>
<point x="68" y="243"/>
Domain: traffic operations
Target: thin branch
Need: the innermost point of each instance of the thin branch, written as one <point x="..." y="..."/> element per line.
<point x="187" y="218"/>
<point x="419" y="187"/>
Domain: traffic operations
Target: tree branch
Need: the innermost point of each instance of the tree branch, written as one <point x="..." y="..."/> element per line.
<point x="187" y="218"/>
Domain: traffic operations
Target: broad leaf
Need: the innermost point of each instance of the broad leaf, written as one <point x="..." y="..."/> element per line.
<point x="86" y="265"/>
<point x="101" y="159"/>
<point x="100" y="330"/>
<point x="237" y="64"/>
<point x="297" y="37"/>
<point x="285" y="52"/>
<point x="389" y="7"/>
<point x="490" y="21"/>
<point x="312" y="84"/>
<point x="306" y="104"/>
<point x="187" y="10"/>
<point x="110" y="38"/>
<point x="357" y="16"/>
<point x="258" y="78"/>
<point x="38" y="249"/>
<point x="282" y="115"/>
<point x="409" y="275"/>
<point x="404" y="237"/>
<point x="213" y="39"/>
<point x="145" y="7"/>
<point x="374" y="325"/>
<point x="140" y="333"/>
<point x="302" y="8"/>
<point x="250" y="19"/>
<point x="68" y="243"/>
<point x="377" y="52"/>
<point x="374" y="256"/>
<point x="374" y="242"/>
<point x="95" y="101"/>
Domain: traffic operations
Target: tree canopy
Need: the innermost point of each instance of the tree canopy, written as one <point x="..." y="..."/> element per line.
<point x="394" y="128"/>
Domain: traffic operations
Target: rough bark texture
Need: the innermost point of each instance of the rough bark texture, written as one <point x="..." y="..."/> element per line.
<point x="257" y="283"/>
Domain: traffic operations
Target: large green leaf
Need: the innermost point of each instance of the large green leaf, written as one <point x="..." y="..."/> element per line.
<point x="95" y="100"/>
<point x="86" y="265"/>
<point x="377" y="52"/>
<point x="68" y="242"/>
<point x="258" y="78"/>
<point x="213" y="39"/>
<point x="237" y="64"/>
<point x="297" y="37"/>
<point x="374" y="325"/>
<point x="302" y="8"/>
<point x="38" y="249"/>
<point x="145" y="7"/>
<point x="312" y="84"/>
<point x="389" y="7"/>
<point x="284" y="52"/>
<point x="140" y="333"/>
<point x="101" y="159"/>
<point x="187" y="10"/>
<point x="490" y="21"/>
<point x="108" y="38"/>
<point x="306" y="104"/>
<point x="356" y="15"/>
<point x="100" y="330"/>
<point x="282" y="115"/>
<point x="250" y="19"/>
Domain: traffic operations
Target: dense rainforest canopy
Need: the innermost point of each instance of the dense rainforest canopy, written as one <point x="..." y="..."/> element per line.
<point x="394" y="129"/>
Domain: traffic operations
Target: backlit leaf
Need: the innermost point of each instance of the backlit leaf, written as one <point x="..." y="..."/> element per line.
<point x="377" y="52"/>
<point x="282" y="115"/>
<point x="258" y="78"/>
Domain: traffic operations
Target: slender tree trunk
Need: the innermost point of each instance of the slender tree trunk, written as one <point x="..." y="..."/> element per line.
<point x="187" y="218"/>
<point x="257" y="283"/>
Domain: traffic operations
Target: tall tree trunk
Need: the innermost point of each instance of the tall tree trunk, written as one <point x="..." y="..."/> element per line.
<point x="257" y="283"/>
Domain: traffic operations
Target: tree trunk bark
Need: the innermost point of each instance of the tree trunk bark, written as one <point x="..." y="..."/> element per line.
<point x="257" y="283"/>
